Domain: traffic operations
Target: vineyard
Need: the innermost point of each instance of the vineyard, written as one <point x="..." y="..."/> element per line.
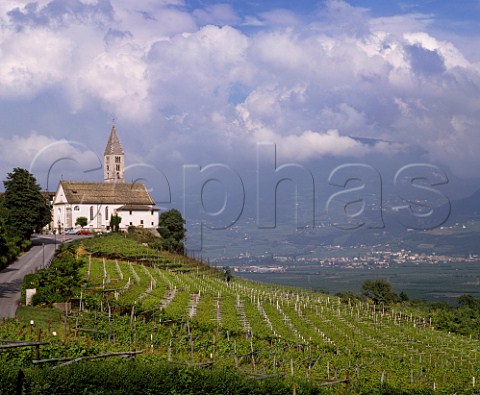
<point x="177" y="310"/>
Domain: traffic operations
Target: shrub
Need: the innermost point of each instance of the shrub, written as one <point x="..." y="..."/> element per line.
<point x="9" y="375"/>
<point x="152" y="376"/>
<point x="61" y="281"/>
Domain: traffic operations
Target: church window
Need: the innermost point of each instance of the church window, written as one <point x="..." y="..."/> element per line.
<point x="91" y="213"/>
<point x="141" y="221"/>
<point x="117" y="167"/>
<point x="76" y="208"/>
<point x="130" y="212"/>
<point x="117" y="159"/>
<point x="106" y="213"/>
<point x="108" y="167"/>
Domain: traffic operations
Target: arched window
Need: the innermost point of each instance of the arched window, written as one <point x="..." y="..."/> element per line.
<point x="76" y="208"/>
<point x="106" y="213"/>
<point x="91" y="213"/>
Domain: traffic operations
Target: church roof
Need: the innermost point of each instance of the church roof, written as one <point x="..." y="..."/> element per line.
<point x="80" y="192"/>
<point x="113" y="145"/>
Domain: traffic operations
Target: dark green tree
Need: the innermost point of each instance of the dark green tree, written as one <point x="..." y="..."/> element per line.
<point x="468" y="301"/>
<point x="379" y="291"/>
<point x="11" y="245"/>
<point x="115" y="221"/>
<point x="82" y="221"/>
<point x="4" y="248"/>
<point x="171" y="227"/>
<point x="403" y="297"/>
<point x="347" y="297"/>
<point x="26" y="210"/>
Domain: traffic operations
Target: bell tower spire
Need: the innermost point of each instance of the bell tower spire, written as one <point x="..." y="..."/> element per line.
<point x="113" y="159"/>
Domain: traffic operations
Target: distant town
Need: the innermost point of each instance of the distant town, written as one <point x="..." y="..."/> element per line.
<point x="374" y="259"/>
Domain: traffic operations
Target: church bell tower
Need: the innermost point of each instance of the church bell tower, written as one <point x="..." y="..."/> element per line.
<point x="113" y="159"/>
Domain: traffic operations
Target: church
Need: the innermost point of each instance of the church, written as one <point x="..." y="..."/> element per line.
<point x="98" y="201"/>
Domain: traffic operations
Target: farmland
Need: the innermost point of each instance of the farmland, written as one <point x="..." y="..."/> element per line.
<point x="180" y="311"/>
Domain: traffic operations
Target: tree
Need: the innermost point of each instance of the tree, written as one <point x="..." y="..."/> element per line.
<point x="380" y="291"/>
<point x="468" y="301"/>
<point x="4" y="249"/>
<point x="82" y="221"/>
<point x="347" y="297"/>
<point x="403" y="297"/>
<point x="171" y="227"/>
<point x="25" y="209"/>
<point x="115" y="221"/>
<point x="61" y="281"/>
<point x="172" y="223"/>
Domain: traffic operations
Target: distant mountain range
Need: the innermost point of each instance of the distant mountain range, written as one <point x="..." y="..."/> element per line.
<point x="467" y="208"/>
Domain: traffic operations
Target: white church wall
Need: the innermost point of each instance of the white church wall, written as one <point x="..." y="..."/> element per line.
<point x="98" y="217"/>
<point x="144" y="219"/>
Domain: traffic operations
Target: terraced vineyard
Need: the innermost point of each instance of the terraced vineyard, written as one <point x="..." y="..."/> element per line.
<point x="193" y="315"/>
<point x="183" y="312"/>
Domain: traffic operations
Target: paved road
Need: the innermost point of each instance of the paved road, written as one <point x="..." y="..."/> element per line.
<point x="11" y="277"/>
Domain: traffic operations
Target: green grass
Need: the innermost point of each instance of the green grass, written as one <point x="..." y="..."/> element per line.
<point x="42" y="317"/>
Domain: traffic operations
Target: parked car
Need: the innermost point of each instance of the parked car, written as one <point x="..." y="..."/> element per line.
<point x="83" y="232"/>
<point x="71" y="232"/>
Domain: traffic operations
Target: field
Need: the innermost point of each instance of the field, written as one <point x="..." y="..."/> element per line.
<point x="180" y="311"/>
<point x="432" y="282"/>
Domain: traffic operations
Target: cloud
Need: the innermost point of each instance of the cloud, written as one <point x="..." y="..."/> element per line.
<point x="400" y="87"/>
<point x="398" y="25"/>
<point x="118" y="79"/>
<point x="89" y="50"/>
<point x="308" y="144"/>
<point x="425" y="61"/>
<point x="279" y="17"/>
<point x="31" y="60"/>
<point x="194" y="85"/>
<point x="46" y="157"/>
<point x="312" y="144"/>
<point x="219" y="14"/>
<point x="193" y="73"/>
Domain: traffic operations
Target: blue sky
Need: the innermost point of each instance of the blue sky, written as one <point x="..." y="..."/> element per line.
<point x="202" y="82"/>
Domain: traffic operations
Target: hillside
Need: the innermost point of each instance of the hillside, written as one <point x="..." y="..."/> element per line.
<point x="180" y="311"/>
